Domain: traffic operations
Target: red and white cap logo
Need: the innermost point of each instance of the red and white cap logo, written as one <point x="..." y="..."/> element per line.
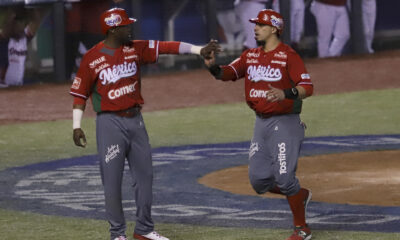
<point x="113" y="20"/>
<point x="269" y="17"/>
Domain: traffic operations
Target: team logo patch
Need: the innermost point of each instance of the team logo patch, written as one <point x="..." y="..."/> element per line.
<point x="97" y="61"/>
<point x="276" y="22"/>
<point x="279" y="62"/>
<point x="112" y="152"/>
<point x="281" y="55"/>
<point x="253" y="149"/>
<point x="101" y="67"/>
<point x="131" y="57"/>
<point x="265" y="17"/>
<point x="113" y="20"/>
<point x="254" y="55"/>
<point x="305" y="76"/>
<point x="282" y="158"/>
<point x="127" y="49"/>
<point x="76" y="83"/>
<point x="255" y="61"/>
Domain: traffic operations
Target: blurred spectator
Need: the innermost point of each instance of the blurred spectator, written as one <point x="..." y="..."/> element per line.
<point x="230" y="23"/>
<point x="247" y="9"/>
<point x="369" y="18"/>
<point x="333" y="26"/>
<point x="20" y="27"/>
<point x="5" y="20"/>
<point x="296" y="20"/>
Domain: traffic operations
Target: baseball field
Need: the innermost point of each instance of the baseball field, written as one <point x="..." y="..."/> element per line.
<point x="199" y="126"/>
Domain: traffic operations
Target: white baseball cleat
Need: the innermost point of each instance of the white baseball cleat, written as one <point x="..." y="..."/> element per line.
<point x="121" y="238"/>
<point x="150" y="236"/>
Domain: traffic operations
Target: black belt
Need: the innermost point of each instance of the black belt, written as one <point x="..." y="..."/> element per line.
<point x="130" y="112"/>
<point x="265" y="115"/>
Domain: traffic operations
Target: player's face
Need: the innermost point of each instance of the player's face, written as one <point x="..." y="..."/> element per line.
<point x="18" y="29"/>
<point x="263" y="32"/>
<point x="124" y="34"/>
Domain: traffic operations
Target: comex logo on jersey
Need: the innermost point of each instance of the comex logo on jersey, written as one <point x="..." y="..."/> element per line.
<point x="116" y="93"/>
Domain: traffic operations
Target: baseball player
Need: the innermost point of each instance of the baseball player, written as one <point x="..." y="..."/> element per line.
<point x="333" y="26"/>
<point x="110" y="75"/>
<point x="276" y="81"/>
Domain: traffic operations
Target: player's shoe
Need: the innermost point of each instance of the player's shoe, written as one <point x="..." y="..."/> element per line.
<point x="150" y="236"/>
<point x="121" y="238"/>
<point x="301" y="233"/>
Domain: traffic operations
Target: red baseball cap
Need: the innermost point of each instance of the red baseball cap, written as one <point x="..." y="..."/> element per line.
<point x="113" y="18"/>
<point x="269" y="17"/>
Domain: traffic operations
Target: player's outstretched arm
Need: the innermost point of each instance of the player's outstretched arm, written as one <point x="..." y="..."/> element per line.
<point x="187" y="48"/>
<point x="78" y="134"/>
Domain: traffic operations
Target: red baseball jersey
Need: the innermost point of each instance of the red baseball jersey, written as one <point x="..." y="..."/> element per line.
<point x="111" y="77"/>
<point x="282" y="68"/>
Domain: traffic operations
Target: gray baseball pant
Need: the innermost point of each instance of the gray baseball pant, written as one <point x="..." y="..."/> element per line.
<point x="120" y="138"/>
<point x="274" y="153"/>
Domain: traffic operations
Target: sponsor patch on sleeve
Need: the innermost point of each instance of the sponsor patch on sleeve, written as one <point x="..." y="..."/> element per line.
<point x="305" y="76"/>
<point x="151" y="43"/>
<point x="76" y="83"/>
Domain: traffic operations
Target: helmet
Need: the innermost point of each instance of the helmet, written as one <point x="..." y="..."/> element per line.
<point x="269" y="17"/>
<point x="113" y="18"/>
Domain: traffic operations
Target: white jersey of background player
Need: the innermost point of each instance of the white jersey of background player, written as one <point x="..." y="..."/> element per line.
<point x="296" y="18"/>
<point x="230" y="23"/>
<point x="247" y="9"/>
<point x="333" y="26"/>
<point x="369" y="18"/>
<point x="17" y="52"/>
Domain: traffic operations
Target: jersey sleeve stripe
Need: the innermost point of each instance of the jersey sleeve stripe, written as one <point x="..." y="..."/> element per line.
<point x="78" y="95"/>
<point x="305" y="83"/>
<point x="237" y="76"/>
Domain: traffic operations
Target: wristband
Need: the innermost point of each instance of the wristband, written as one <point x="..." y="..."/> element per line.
<point x="291" y="93"/>
<point x="195" y="50"/>
<point x="76" y="118"/>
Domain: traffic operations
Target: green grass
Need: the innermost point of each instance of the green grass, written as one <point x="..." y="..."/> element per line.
<point x="368" y="112"/>
<point x="23" y="225"/>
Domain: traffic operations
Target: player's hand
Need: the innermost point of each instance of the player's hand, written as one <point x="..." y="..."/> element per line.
<point x="77" y="136"/>
<point x="211" y="60"/>
<point x="211" y="47"/>
<point x="275" y="94"/>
